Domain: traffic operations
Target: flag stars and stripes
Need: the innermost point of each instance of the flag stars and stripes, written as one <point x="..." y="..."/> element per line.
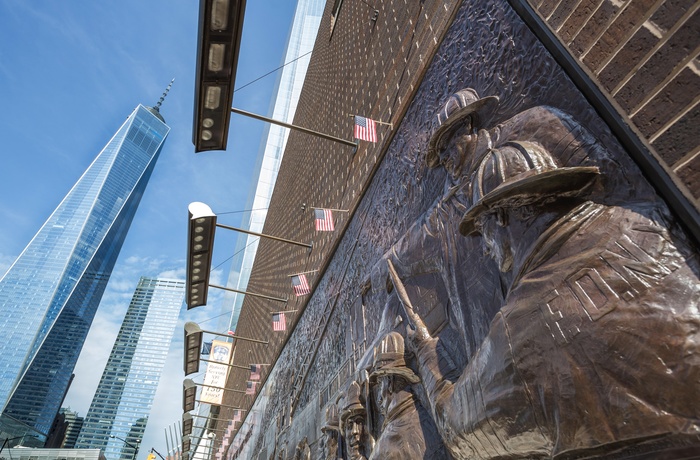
<point x="255" y="372"/>
<point x="365" y="129"/>
<point x="324" y="220"/>
<point x="279" y="322"/>
<point x="300" y="285"/>
<point x="250" y="387"/>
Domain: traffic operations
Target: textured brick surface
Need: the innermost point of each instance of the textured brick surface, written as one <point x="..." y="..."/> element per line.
<point x="595" y="26"/>
<point x="690" y="175"/>
<point x="674" y="98"/>
<point x="639" y="45"/>
<point x="562" y="13"/>
<point x="396" y="70"/>
<point x="681" y="138"/>
<point x="660" y="64"/>
<point x="670" y="12"/>
<point x="630" y="19"/>
<point x="578" y="19"/>
<point x="639" y="54"/>
<point x="367" y="68"/>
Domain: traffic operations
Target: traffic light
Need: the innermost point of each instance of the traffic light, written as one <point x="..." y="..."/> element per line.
<point x="151" y="456"/>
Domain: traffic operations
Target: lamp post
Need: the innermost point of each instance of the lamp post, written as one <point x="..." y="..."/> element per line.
<point x="6" y="440"/>
<point x="218" y="48"/>
<point x="189" y="394"/>
<point x="135" y="447"/>
<point x="194" y="337"/>
<point x="200" y="245"/>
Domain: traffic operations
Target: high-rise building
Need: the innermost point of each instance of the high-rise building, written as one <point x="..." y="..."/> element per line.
<point x="75" y="424"/>
<point x="302" y="36"/>
<point x="119" y="410"/>
<point x="49" y="296"/>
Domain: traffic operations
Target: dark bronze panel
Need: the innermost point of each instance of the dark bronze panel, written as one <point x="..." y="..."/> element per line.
<point x="558" y="292"/>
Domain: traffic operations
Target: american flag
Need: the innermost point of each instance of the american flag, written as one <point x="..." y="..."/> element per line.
<point x="255" y="372"/>
<point x="231" y="332"/>
<point x="365" y="129"/>
<point x="279" y="322"/>
<point x="250" y="388"/>
<point x="236" y="416"/>
<point x="324" y="220"/>
<point x="300" y="285"/>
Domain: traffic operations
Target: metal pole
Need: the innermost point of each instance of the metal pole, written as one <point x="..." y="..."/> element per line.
<point x="390" y="125"/>
<point x="235" y="337"/>
<point x="221" y="405"/>
<point x="135" y="447"/>
<point x="298" y="128"/>
<point x="220" y="388"/>
<point x="215" y="419"/>
<point x="178" y="449"/>
<point x="302" y="273"/>
<point x="229" y="365"/>
<point x="276" y="238"/>
<point x="331" y="209"/>
<point x="167" y="444"/>
<point x="277" y="299"/>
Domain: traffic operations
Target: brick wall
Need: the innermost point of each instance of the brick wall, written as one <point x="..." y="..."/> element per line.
<point x="643" y="54"/>
<point x="399" y="69"/>
<point x="366" y="67"/>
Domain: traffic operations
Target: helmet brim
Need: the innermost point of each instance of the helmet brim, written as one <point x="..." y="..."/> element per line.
<point x="404" y="372"/>
<point x="483" y="109"/>
<point x="529" y="187"/>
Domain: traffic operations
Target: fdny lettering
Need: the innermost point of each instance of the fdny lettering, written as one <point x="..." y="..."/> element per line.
<point x="624" y="273"/>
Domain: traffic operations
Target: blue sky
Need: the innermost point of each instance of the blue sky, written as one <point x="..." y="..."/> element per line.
<point x="70" y="74"/>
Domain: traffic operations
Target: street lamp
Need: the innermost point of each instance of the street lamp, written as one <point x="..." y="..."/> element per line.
<point x="189" y="394"/>
<point x="194" y="337"/>
<point x="7" y="440"/>
<point x="187" y="442"/>
<point x="187" y="424"/>
<point x="135" y="447"/>
<point x="218" y="46"/>
<point x="153" y="451"/>
<point x="200" y="237"/>
<point x="200" y="245"/>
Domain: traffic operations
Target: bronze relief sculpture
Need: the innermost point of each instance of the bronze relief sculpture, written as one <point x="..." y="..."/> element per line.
<point x="596" y="344"/>
<point x="329" y="442"/>
<point x="352" y="422"/>
<point x="408" y="430"/>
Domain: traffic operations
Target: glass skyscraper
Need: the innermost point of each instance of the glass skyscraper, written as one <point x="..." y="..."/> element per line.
<point x="302" y="36"/>
<point x="119" y="410"/>
<point x="49" y="296"/>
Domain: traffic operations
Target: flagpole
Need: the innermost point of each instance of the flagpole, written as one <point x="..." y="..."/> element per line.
<point x="277" y="299"/>
<point x="219" y="388"/>
<point x="331" y="209"/>
<point x="220" y="405"/>
<point x="302" y="273"/>
<point x="234" y="336"/>
<point x="277" y="313"/>
<point x="215" y="419"/>
<point x="276" y="238"/>
<point x="298" y="128"/>
<point x="229" y="365"/>
<point x="390" y="125"/>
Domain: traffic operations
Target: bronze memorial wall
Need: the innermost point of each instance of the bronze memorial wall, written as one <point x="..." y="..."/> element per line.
<point x="505" y="283"/>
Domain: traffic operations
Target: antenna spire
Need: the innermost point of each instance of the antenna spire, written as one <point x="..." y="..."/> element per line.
<point x="162" y="98"/>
